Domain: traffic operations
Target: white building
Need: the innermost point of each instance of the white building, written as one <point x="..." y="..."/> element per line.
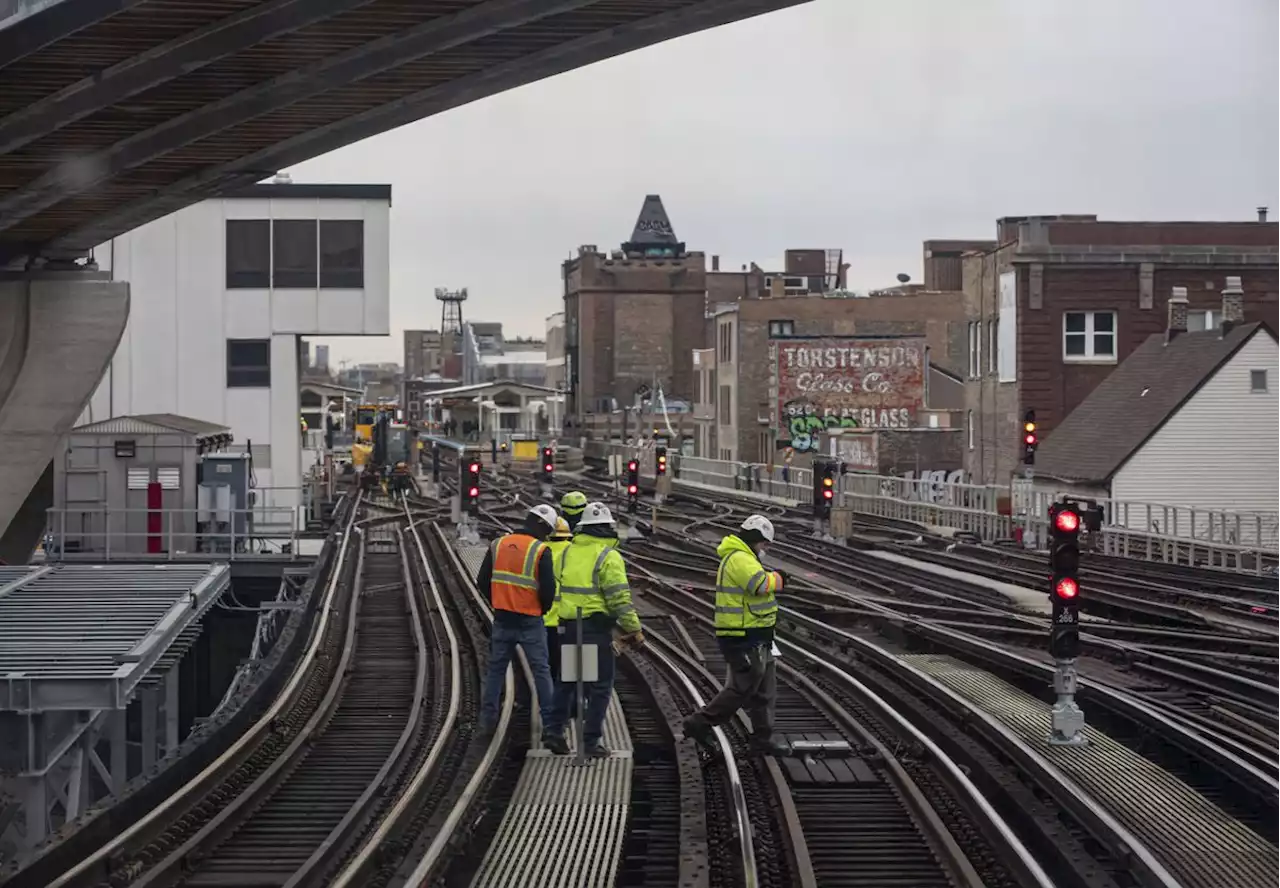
<point x="1182" y="434"/>
<point x="221" y="293"/>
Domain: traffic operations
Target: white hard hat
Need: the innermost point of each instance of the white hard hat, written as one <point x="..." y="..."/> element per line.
<point x="595" y="513"/>
<point x="546" y="514"/>
<point x="761" y="524"/>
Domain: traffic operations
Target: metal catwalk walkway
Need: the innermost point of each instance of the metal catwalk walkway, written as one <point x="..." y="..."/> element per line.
<point x="1200" y="844"/>
<point x="83" y="637"/>
<point x="560" y="805"/>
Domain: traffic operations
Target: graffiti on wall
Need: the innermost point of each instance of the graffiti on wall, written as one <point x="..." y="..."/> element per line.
<point x="859" y="452"/>
<point x="847" y="383"/>
<point x="929" y="486"/>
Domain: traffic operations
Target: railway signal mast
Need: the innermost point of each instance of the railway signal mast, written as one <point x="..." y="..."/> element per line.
<point x="659" y="471"/>
<point x="1066" y="719"/>
<point x="824" y="494"/>
<point x="633" y="485"/>
<point x="548" y="471"/>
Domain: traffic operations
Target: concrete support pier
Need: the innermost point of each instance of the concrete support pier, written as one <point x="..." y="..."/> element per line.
<point x="58" y="332"/>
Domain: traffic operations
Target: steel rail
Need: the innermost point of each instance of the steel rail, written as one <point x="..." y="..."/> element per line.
<point x="435" y="852"/>
<point x="242" y="744"/>
<point x="356" y="867"/>
<point x="741" y="809"/>
<point x="1029" y="869"/>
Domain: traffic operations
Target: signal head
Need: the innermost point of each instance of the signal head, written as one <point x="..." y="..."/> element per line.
<point x="1066" y="588"/>
<point x="1067" y="521"/>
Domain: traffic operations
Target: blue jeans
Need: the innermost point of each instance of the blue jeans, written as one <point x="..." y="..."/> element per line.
<point x="597" y="693"/>
<point x="509" y="630"/>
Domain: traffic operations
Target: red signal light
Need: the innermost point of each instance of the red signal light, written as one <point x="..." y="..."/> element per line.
<point x="475" y="467"/>
<point x="828" y="494"/>
<point x="1067" y="522"/>
<point x="632" y="466"/>
<point x="473" y="492"/>
<point x="1066" y="588"/>
<point x="1030" y="439"/>
<point x="631" y="489"/>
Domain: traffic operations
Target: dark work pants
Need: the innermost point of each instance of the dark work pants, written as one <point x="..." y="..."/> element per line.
<point x="751" y="685"/>
<point x="597" y="694"/>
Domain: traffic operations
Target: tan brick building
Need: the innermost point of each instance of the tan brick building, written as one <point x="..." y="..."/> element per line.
<point x="633" y="317"/>
<point x="1056" y="302"/>
<point x="738" y="417"/>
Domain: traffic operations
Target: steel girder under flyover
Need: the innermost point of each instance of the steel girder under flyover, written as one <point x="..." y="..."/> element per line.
<point x="225" y="100"/>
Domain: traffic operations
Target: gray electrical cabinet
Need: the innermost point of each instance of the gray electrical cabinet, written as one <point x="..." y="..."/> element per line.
<point x="223" y="501"/>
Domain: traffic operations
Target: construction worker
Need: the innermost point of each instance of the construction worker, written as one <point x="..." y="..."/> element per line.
<point x="571" y="506"/>
<point x="746" y="611"/>
<point x="594" y="595"/>
<point x="557" y="543"/>
<point x="518" y="572"/>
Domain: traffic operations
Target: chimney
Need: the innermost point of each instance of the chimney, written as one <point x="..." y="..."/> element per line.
<point x="715" y="263"/>
<point x="1262" y="214"/>
<point x="1232" y="305"/>
<point x="1177" y="314"/>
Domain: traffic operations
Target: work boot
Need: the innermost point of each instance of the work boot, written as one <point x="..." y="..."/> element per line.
<point x="697" y="729"/>
<point x="768" y="744"/>
<point x="555" y="743"/>
<point x="599" y="751"/>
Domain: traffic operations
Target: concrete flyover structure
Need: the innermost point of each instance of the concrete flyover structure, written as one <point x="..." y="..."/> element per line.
<point x="117" y="112"/>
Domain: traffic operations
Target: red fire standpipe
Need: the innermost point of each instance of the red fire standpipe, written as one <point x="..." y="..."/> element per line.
<point x="154" y="517"/>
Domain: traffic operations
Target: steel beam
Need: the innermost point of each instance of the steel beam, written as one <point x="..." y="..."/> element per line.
<point x="28" y="26"/>
<point x="82" y="174"/>
<point x="537" y="66"/>
<point x="163" y="63"/>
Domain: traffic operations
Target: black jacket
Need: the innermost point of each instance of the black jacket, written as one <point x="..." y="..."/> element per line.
<point x="546" y="580"/>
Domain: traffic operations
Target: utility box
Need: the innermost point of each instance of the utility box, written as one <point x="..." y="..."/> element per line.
<point x="223" y="500"/>
<point x="842" y="523"/>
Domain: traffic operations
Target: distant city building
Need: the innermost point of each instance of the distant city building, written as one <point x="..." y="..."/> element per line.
<point x="221" y="293"/>
<point x="322" y="358"/>
<point x="555" y="374"/>
<point x="489" y="357"/>
<point x="423" y="354"/>
<point x="632" y="317"/>
<point x="1055" y="303"/>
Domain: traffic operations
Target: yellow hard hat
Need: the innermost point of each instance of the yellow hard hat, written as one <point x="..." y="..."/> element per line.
<point x="562" y="530"/>
<point x="573" y="502"/>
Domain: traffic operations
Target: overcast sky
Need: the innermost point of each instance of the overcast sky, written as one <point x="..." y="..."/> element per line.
<point x="868" y="126"/>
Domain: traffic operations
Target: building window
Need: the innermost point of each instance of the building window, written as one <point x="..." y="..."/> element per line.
<point x="248" y="254"/>
<point x="294" y="247"/>
<point x="968" y="421"/>
<point x="1198" y="321"/>
<point x="726" y="405"/>
<point x="726" y="343"/>
<point x="248" y="363"/>
<point x="1257" y="380"/>
<point x="992" y="347"/>
<point x="342" y="254"/>
<point x="975" y="349"/>
<point x="1089" y="336"/>
<point x="782" y="328"/>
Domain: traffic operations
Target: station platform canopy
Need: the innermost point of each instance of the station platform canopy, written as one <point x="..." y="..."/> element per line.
<point x="86" y="636"/>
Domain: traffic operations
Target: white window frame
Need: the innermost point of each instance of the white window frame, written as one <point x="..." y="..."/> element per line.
<point x="969" y="423"/>
<point x="782" y="328"/>
<point x="993" y="347"/>
<point x="973" y="349"/>
<point x="1090" y="334"/>
<point x="1212" y="318"/>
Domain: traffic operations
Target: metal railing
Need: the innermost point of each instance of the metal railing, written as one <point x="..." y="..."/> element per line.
<point x="1154" y="531"/>
<point x="103" y="534"/>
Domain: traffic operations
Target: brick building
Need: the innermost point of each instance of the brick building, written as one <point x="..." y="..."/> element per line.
<point x="632" y="317"/>
<point x="422" y="353"/>
<point x="736" y="410"/>
<point x="1058" y="301"/>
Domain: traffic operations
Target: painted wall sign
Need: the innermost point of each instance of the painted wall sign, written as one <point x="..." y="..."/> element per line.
<point x="847" y="383"/>
<point x="859" y="451"/>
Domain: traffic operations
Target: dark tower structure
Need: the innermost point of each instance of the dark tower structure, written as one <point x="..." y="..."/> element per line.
<point x="653" y="235"/>
<point x="451" y="310"/>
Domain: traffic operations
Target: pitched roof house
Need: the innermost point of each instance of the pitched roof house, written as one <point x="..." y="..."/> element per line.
<point x="1188" y="419"/>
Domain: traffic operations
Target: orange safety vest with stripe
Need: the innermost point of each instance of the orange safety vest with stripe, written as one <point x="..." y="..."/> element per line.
<point x="514" y="586"/>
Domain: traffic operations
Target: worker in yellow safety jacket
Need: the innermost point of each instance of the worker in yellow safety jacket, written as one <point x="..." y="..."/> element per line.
<point x="594" y="595"/>
<point x="746" y="611"/>
<point x="557" y="543"/>
<point x="571" y="506"/>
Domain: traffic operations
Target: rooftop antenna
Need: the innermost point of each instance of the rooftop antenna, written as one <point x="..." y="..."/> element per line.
<point x="451" y="310"/>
